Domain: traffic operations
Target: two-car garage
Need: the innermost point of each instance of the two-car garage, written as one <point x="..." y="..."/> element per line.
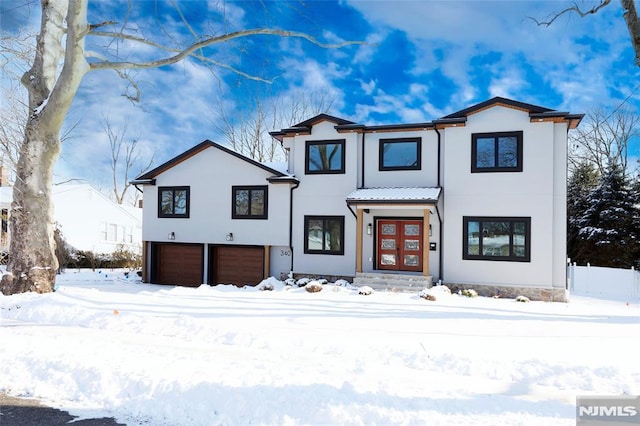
<point x="184" y="264"/>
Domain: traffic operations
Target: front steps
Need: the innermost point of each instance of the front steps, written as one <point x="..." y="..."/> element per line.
<point x="393" y="282"/>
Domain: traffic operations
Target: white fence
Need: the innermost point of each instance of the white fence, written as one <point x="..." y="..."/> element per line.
<point x="606" y="283"/>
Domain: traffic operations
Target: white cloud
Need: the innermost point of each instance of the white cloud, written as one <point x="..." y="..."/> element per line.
<point x="410" y="107"/>
<point x="368" y="87"/>
<point x="448" y="36"/>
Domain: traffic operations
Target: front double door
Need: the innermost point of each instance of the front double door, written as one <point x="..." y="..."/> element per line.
<point x="399" y="244"/>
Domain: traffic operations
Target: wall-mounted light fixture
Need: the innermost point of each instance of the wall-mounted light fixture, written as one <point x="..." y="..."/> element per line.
<point x="172" y="235"/>
<point x="369" y="229"/>
<point x="229" y="236"/>
<point x="430" y="230"/>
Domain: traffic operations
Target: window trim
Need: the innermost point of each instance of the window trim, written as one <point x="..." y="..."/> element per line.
<point x="234" y="213"/>
<point x="418" y="142"/>
<point x="511" y="257"/>
<point x="495" y="136"/>
<point x="308" y="144"/>
<point x="323" y="218"/>
<point x="173" y="215"/>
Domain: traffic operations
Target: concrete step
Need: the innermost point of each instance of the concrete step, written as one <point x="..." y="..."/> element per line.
<point x="393" y="282"/>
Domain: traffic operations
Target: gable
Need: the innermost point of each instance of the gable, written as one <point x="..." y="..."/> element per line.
<point x="536" y="113"/>
<point x="148" y="177"/>
<point x="497" y="101"/>
<point x="304" y="128"/>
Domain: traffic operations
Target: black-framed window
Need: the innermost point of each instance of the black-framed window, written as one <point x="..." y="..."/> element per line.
<point x="249" y="202"/>
<point x="496" y="152"/>
<point x="324" y="234"/>
<point x="497" y="238"/>
<point x="173" y="201"/>
<point x="324" y="157"/>
<point x="400" y="154"/>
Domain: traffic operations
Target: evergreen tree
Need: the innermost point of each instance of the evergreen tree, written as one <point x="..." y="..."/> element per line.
<point x="636" y="218"/>
<point x="608" y="230"/>
<point x="582" y="181"/>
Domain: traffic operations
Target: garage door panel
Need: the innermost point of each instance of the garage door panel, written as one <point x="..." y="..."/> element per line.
<point x="180" y="264"/>
<point x="238" y="265"/>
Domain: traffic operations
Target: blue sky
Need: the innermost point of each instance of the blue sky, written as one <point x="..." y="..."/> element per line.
<point x="422" y="60"/>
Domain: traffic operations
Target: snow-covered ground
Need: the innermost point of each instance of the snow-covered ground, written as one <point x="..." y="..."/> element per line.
<point x="160" y="355"/>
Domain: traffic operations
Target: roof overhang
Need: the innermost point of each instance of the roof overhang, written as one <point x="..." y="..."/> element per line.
<point x="283" y="179"/>
<point x="413" y="197"/>
<point x="572" y="120"/>
<point x="143" y="182"/>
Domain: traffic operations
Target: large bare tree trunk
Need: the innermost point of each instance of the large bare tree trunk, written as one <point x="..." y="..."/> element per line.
<point x="32" y="262"/>
<point x="52" y="83"/>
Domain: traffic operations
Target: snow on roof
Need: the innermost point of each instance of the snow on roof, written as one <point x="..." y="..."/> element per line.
<point x="404" y="194"/>
<point x="280" y="166"/>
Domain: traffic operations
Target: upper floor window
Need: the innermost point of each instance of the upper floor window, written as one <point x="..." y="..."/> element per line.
<point x="324" y="157"/>
<point x="173" y="201"/>
<point x="324" y="234"/>
<point x="400" y="154"/>
<point x="496" y="152"/>
<point x="249" y="202"/>
<point x="497" y="238"/>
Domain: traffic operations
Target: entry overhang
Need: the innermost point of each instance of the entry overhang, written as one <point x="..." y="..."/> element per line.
<point x="387" y="197"/>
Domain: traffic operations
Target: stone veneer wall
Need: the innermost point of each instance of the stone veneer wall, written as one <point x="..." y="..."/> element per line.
<point x="533" y="293"/>
<point x="330" y="278"/>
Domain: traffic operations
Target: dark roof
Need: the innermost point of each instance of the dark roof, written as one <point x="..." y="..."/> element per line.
<point x="459" y="117"/>
<point x="323" y="117"/>
<point x="384" y="127"/>
<point x="305" y="126"/>
<point x="501" y="101"/>
<point x="146" y="177"/>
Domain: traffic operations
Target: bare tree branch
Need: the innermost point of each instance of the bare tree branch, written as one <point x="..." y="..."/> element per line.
<point x="604" y="139"/>
<point x="630" y="16"/>
<point x="125" y="155"/>
<point x="204" y="43"/>
<point x="574" y="9"/>
<point x="248" y="132"/>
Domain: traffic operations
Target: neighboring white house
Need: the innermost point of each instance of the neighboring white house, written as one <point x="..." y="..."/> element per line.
<point x="473" y="199"/>
<point x="89" y="220"/>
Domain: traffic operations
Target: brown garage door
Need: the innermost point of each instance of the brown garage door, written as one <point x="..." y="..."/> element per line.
<point x="179" y="264"/>
<point x="237" y="265"/>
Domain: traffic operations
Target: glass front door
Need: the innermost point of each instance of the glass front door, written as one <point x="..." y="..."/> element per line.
<point x="399" y="245"/>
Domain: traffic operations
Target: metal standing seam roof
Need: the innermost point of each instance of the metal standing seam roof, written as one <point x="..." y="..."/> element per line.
<point x="403" y="194"/>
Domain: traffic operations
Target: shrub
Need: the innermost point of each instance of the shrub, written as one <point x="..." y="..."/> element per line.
<point x="302" y="282"/>
<point x="266" y="287"/>
<point x="123" y="257"/>
<point x="313" y="287"/>
<point x="469" y="292"/>
<point x="442" y="289"/>
<point x="427" y="294"/>
<point x="63" y="250"/>
<point x="523" y="299"/>
<point x="365" y="290"/>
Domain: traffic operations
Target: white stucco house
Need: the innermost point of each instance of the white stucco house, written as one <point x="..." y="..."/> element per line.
<point x="473" y="199"/>
<point x="89" y="220"/>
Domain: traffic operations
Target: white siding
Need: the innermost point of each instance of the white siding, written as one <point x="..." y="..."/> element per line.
<point x="536" y="192"/>
<point x="210" y="175"/>
<point x="90" y="221"/>
<point x="426" y="176"/>
<point x="324" y="195"/>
